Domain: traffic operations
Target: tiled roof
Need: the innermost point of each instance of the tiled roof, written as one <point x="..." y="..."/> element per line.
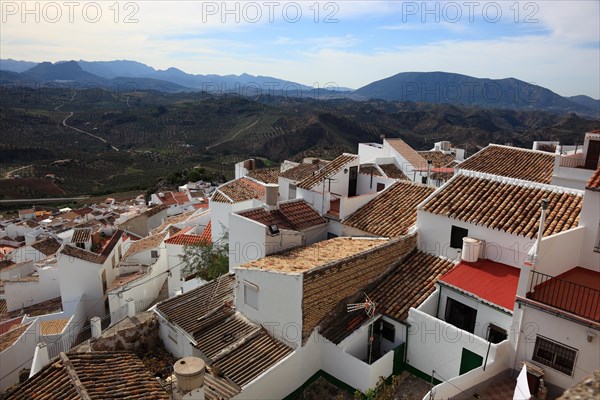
<point x="155" y="210"/>
<point x="505" y="204"/>
<point x="95" y="375"/>
<point x="239" y="190"/>
<point x="188" y="240"/>
<point x="302" y="259"/>
<point x="295" y="215"/>
<point x="206" y="236"/>
<point x="392" y="171"/>
<point x="7" y="265"/>
<point x="185" y="310"/>
<point x="406" y="285"/>
<point x="147" y="243"/>
<point x="438" y="158"/>
<point x="576" y="291"/>
<point x="175" y="219"/>
<point x="369" y="169"/>
<point x="407" y="152"/>
<point x="53" y="327"/>
<point x="487" y="280"/>
<point x="48" y="246"/>
<point x="265" y="175"/>
<point x="7" y="325"/>
<point x="3" y="307"/>
<point x="392" y="212"/>
<point x="594" y="182"/>
<point x="512" y="162"/>
<point x="252" y="358"/>
<point x="303" y="171"/>
<point x="81" y="235"/>
<point x="92" y="257"/>
<point x="328" y="170"/>
<point x="9" y="338"/>
<point x="83" y="211"/>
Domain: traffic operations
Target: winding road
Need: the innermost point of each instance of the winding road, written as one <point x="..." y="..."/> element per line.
<point x="87" y="133"/>
<point x="234" y="136"/>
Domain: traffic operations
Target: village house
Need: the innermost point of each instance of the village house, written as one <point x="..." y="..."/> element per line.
<point x="575" y="165"/>
<point x="175" y="202"/>
<point x="143" y="223"/>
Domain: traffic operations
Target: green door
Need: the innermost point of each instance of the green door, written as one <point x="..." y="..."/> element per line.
<point x="398" y="359"/>
<point x="469" y="361"/>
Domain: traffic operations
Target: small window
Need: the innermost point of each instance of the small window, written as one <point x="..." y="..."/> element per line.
<point x="460" y="315"/>
<point x="331" y="235"/>
<point x="292" y="191"/>
<point x="389" y="331"/>
<point x="554" y="355"/>
<point x="597" y="246"/>
<point x="153" y="253"/>
<point x="251" y="294"/>
<point x="380" y="187"/>
<point x="456" y="236"/>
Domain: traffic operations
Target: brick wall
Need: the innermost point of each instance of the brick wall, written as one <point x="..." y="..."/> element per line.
<point x="324" y="287"/>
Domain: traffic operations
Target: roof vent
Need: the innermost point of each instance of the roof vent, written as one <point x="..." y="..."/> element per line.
<point x="271" y="194"/>
<point x="189" y="372"/>
<point x="470" y="249"/>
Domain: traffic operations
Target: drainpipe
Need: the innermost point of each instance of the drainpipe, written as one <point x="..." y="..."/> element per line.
<point x="540" y="234"/>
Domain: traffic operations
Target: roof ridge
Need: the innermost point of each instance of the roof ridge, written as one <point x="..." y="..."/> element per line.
<point x="70" y="369"/>
<point x="517" y="182"/>
<point x="238" y="343"/>
<point x="518" y="148"/>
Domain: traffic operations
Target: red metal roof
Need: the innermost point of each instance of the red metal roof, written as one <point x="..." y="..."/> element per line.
<point x="491" y="281"/>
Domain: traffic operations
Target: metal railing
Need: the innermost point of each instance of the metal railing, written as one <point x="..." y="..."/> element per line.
<point x="564" y="295"/>
<point x="143" y="305"/>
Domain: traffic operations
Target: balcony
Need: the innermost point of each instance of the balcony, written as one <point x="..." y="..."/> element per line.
<point x="567" y="293"/>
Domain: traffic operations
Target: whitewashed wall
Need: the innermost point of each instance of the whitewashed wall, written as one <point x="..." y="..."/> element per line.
<point x="21" y="294"/>
<point x="18" y="356"/>
<point x="279" y="302"/>
<point x="559" y="253"/>
<point x="563" y="331"/>
<point x="17" y="271"/>
<point x="437" y="345"/>
<point x="499" y="246"/>
<point x="368" y="152"/>
<point x="590" y="220"/>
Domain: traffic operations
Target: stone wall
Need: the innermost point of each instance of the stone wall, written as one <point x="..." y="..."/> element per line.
<point x="134" y="334"/>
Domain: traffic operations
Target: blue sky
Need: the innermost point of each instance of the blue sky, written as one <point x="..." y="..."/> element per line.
<point x="554" y="43"/>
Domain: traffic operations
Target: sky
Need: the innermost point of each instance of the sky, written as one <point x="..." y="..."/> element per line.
<point x="552" y="43"/>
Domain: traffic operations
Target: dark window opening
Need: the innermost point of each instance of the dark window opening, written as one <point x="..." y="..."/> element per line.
<point x="496" y="334"/>
<point x="331" y="235"/>
<point x="456" y="236"/>
<point x="460" y="315"/>
<point x="389" y="331"/>
<point x="380" y="187"/>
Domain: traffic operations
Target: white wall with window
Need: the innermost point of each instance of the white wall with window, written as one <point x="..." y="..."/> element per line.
<point x="273" y="300"/>
<point x="559" y="346"/>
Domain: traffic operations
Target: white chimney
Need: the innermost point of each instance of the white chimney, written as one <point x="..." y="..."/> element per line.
<point x="271" y="194"/>
<point x="130" y="308"/>
<point x="40" y="358"/>
<point x="96" y="327"/>
<point x="189" y="372"/>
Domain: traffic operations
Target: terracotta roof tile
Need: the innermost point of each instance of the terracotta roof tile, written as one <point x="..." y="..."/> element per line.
<point x="407" y="152"/>
<point x="155" y="210"/>
<point x="440" y="160"/>
<point x="508" y="205"/>
<point x="265" y="175"/>
<point x="303" y="170"/>
<point x="96" y="258"/>
<point x="369" y="169"/>
<point x="147" y="243"/>
<point x="328" y="170"/>
<point x="185" y="310"/>
<point x="53" y="327"/>
<point x="206" y="235"/>
<point x="594" y="182"/>
<point x="175" y="219"/>
<point x="81" y="235"/>
<point x="295" y="215"/>
<point x="188" y="240"/>
<point x="239" y="190"/>
<point x="102" y="375"/>
<point x="48" y="246"/>
<point x="392" y="212"/>
<point x="9" y="338"/>
<point x="406" y="285"/>
<point x="392" y="171"/>
<point x="512" y="162"/>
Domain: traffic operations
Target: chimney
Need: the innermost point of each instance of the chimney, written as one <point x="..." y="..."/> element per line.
<point x="540" y="234"/>
<point x="40" y="358"/>
<point x="96" y="327"/>
<point x="271" y="195"/>
<point x="130" y="308"/>
<point x="189" y="372"/>
<point x="428" y="170"/>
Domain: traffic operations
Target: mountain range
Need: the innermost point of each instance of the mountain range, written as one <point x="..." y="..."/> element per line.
<point x="418" y="87"/>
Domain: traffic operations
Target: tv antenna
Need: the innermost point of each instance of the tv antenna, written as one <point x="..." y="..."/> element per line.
<point x="369" y="307"/>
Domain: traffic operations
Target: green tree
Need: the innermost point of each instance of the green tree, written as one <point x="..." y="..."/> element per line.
<point x="207" y="261"/>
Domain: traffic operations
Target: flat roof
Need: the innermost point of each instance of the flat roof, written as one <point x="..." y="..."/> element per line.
<point x="491" y="281"/>
<point x="302" y="259"/>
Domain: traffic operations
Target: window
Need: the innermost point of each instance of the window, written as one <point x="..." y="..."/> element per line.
<point x="554" y="355"/>
<point x="153" y="253"/>
<point x="496" y="334"/>
<point x="292" y="191"/>
<point x="331" y="235"/>
<point x="456" y="236"/>
<point x="251" y="294"/>
<point x="380" y="187"/>
<point x="389" y="331"/>
<point x="460" y="315"/>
